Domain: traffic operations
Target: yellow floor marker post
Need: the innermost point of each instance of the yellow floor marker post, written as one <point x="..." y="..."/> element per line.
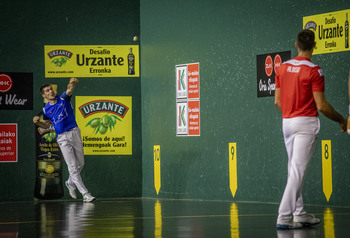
<point x="233" y="167"/>
<point x="327" y="168"/>
<point x="156" y="160"/>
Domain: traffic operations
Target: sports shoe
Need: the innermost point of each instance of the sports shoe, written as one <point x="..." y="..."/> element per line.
<point x="307" y="220"/>
<point x="71" y="190"/>
<point x="286" y="225"/>
<point x="88" y="197"/>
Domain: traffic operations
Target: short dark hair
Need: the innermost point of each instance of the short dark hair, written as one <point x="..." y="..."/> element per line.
<point x="44" y="86"/>
<point x="306" y="40"/>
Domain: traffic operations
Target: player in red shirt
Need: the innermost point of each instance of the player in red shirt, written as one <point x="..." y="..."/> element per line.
<point x="299" y="94"/>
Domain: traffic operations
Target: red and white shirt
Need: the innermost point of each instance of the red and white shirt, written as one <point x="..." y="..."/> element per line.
<point x="297" y="79"/>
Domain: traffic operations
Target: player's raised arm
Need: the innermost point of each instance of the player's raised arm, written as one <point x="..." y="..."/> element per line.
<point x="71" y="86"/>
<point x="44" y="124"/>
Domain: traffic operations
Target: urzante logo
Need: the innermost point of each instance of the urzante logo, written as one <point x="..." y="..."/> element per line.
<point x="109" y="120"/>
<point x="311" y="25"/>
<point x="43" y="130"/>
<point x="103" y="106"/>
<point x="61" y="57"/>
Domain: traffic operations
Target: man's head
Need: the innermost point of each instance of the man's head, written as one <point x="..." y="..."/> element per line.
<point x="306" y="40"/>
<point x="47" y="92"/>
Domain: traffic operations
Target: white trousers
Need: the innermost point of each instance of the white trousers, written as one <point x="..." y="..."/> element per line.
<point x="300" y="135"/>
<point x="72" y="149"/>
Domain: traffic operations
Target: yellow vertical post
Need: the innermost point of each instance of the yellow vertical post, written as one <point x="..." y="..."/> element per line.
<point x="327" y="168"/>
<point x="233" y="167"/>
<point x="156" y="160"/>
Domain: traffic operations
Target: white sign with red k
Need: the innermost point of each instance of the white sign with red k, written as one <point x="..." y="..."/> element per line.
<point x="187" y="100"/>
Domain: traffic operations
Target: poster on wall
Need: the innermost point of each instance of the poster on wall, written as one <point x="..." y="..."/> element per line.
<point x="64" y="61"/>
<point x="187" y="81"/>
<point x="187" y="100"/>
<point x="267" y="64"/>
<point x="8" y="142"/>
<point x="16" y="91"/>
<point x="331" y="31"/>
<point x="188" y="118"/>
<point x="105" y="123"/>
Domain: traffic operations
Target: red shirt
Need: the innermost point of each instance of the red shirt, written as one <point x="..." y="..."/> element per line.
<point x="297" y="79"/>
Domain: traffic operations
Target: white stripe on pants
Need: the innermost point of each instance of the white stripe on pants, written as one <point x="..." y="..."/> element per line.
<point x="73" y="152"/>
<point x="300" y="135"/>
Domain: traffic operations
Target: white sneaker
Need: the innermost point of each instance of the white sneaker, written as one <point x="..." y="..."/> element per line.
<point x="307" y="220"/>
<point x="88" y="197"/>
<point x="285" y="225"/>
<point x="71" y="190"/>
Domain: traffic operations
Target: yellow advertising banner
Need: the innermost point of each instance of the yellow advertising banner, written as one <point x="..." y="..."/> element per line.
<point x="105" y="123"/>
<point x="64" y="61"/>
<point x="331" y="31"/>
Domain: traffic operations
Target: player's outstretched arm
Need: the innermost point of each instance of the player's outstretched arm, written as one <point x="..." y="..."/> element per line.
<point x="71" y="86"/>
<point x="326" y="109"/>
<point x="44" y="124"/>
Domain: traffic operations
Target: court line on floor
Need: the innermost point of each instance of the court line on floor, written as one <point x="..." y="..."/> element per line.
<point x="152" y="217"/>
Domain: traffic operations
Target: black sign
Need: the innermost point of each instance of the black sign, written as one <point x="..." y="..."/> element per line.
<point x="267" y="64"/>
<point x="48" y="183"/>
<point x="16" y="91"/>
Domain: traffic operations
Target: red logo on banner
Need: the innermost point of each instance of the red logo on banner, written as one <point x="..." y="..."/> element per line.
<point x="5" y="83"/>
<point x="277" y="62"/>
<point x="268" y="66"/>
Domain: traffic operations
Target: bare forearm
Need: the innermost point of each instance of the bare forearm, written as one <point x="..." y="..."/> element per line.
<point x="278" y="99"/>
<point x="43" y="124"/>
<point x="331" y="113"/>
<point x="278" y="105"/>
<point x="70" y="89"/>
<point x="71" y="86"/>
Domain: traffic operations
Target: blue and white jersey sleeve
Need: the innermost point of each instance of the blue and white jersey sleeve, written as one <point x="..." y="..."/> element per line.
<point x="61" y="114"/>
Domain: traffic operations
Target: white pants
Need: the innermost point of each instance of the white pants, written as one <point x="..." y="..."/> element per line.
<point x="73" y="153"/>
<point x="300" y="135"/>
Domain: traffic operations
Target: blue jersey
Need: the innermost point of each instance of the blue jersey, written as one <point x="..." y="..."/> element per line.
<point x="60" y="114"/>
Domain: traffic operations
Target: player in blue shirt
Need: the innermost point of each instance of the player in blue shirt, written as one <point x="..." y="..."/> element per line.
<point x="59" y="112"/>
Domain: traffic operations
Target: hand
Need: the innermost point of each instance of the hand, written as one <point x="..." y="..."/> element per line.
<point x="343" y="125"/>
<point x="73" y="80"/>
<point x="349" y="125"/>
<point x="36" y="119"/>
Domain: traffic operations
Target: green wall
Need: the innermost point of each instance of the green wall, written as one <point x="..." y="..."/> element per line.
<point x="26" y="26"/>
<point x="225" y="37"/>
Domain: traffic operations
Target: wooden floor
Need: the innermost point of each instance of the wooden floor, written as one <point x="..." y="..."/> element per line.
<point x="142" y="217"/>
